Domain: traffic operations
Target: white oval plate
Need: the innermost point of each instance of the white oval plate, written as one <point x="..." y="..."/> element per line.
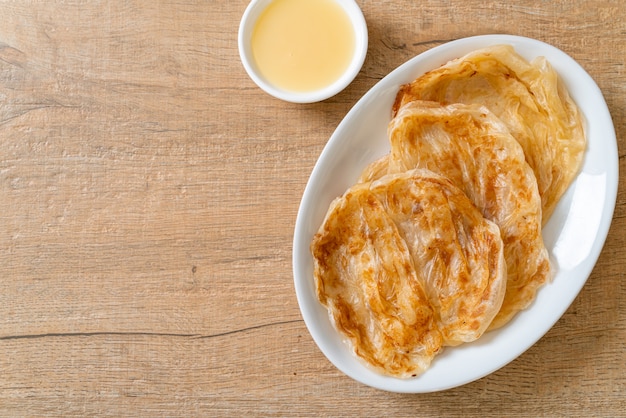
<point x="574" y="235"/>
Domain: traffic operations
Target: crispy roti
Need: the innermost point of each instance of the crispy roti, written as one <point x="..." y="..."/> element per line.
<point x="405" y="265"/>
<point x="474" y="149"/>
<point x="528" y="97"/>
<point x="441" y="239"/>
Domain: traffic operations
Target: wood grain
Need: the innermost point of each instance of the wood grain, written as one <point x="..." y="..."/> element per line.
<point x="149" y="194"/>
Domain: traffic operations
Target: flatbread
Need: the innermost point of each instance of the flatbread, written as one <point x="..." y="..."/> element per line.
<point x="474" y="149"/>
<point x="457" y="253"/>
<point x="528" y="97"/>
<point x="405" y="265"/>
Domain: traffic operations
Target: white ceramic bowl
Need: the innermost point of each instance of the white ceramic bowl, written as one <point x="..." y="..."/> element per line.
<point x="248" y="21"/>
<point x="574" y="235"/>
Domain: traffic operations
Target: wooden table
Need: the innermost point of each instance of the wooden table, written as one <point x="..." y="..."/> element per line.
<point x="149" y="192"/>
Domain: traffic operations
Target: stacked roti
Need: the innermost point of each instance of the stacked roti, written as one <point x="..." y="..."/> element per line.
<point x="473" y="148"/>
<point x="441" y="240"/>
<point x="528" y="97"/>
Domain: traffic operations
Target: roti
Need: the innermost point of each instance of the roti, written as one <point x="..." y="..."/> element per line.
<point x="406" y="265"/>
<point x="528" y="97"/>
<point x="474" y="149"/>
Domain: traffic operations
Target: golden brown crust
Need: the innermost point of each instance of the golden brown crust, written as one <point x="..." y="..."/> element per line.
<point x="406" y="265"/>
<point x="473" y="148"/>
<point x="528" y="97"/>
<point x="457" y="253"/>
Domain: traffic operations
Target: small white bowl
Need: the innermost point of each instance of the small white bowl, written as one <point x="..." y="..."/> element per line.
<point x="246" y="27"/>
